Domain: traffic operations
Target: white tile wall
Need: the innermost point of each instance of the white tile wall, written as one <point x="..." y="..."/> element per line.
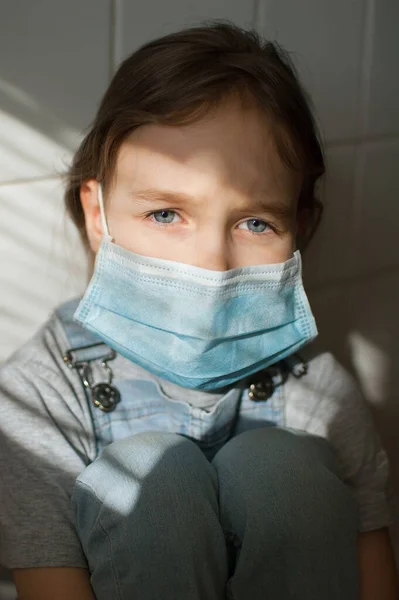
<point x="55" y="63"/>
<point x="321" y="264"/>
<point x="355" y="322"/>
<point x="378" y="213"/>
<point x="324" y="38"/>
<point x="158" y="18"/>
<point x="383" y="42"/>
<point x="42" y="261"/>
<point x="56" y="59"/>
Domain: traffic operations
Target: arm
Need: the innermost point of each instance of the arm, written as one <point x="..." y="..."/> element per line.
<point x="47" y="583"/>
<point x="44" y="445"/>
<point x="377" y="569"/>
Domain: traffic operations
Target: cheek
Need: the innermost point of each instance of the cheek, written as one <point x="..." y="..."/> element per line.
<point x="275" y="251"/>
<point x="139" y="239"/>
<point x="282" y="250"/>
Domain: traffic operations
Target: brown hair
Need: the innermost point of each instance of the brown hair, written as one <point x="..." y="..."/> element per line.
<point x="174" y="80"/>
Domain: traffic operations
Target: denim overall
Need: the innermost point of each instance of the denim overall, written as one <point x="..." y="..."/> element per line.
<point x="144" y="407"/>
<point x="234" y="507"/>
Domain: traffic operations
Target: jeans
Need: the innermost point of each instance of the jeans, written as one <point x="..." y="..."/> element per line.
<point x="267" y="518"/>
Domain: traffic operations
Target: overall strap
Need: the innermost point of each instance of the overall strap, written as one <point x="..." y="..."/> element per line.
<point x="83" y="346"/>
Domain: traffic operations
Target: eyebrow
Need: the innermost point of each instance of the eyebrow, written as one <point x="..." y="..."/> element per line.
<point x="169" y="197"/>
<point x="151" y="196"/>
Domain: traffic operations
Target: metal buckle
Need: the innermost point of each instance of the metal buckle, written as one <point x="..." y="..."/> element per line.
<point x="72" y="363"/>
<point x="103" y="395"/>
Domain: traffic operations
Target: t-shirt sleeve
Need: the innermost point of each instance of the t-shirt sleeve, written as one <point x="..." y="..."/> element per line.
<point x="44" y="445"/>
<point x="363" y="459"/>
<point x="340" y="413"/>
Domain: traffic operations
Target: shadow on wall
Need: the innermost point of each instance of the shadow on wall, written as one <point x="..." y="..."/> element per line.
<point x="42" y="259"/>
<point x="33" y="141"/>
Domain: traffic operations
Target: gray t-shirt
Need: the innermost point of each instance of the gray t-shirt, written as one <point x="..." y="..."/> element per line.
<point x="47" y="439"/>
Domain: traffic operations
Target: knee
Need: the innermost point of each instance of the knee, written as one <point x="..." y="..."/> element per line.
<point x="293" y="472"/>
<point x="150" y="465"/>
<point x="276" y="452"/>
<point x="140" y="484"/>
<point x="142" y="458"/>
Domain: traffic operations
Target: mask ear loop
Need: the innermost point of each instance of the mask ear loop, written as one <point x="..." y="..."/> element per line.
<point x="104" y="223"/>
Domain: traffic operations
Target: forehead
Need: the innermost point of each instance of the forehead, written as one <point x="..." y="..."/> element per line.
<point x="231" y="146"/>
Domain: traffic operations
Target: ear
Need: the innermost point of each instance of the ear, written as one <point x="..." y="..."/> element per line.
<point x="91" y="209"/>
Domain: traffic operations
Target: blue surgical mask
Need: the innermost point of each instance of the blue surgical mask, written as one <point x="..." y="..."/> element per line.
<point x="197" y="328"/>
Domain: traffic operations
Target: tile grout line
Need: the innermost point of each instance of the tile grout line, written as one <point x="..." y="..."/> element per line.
<point x="259" y="15"/>
<point x="363" y="99"/>
<point x="29" y="180"/>
<point x="352" y="279"/>
<point x="115" y="52"/>
<point x="363" y="140"/>
<point x="365" y="67"/>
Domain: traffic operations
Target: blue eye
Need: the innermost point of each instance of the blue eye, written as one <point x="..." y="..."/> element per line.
<point x="164" y="216"/>
<point x="256" y="225"/>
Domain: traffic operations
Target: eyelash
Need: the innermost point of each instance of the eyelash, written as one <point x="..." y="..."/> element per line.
<point x="154" y="212"/>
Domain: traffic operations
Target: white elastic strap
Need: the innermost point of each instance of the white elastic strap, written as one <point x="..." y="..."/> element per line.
<point x="102" y="211"/>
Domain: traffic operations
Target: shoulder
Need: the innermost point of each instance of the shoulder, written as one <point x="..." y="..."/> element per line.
<point x="325" y="397"/>
<point x="329" y="403"/>
<point x="38" y="391"/>
<point x="326" y="372"/>
<point x="46" y="440"/>
<point x="42" y="356"/>
<point x="42" y="351"/>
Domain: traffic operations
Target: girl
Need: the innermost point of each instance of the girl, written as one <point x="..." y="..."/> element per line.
<point x="160" y="437"/>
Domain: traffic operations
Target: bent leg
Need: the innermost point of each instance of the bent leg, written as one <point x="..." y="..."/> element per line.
<point x="293" y="521"/>
<point x="146" y="513"/>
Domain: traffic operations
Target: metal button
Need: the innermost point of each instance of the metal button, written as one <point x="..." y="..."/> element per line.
<point x="261" y="390"/>
<point x="105" y="396"/>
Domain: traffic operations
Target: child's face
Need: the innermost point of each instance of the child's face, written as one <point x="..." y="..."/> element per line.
<point x="219" y="194"/>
